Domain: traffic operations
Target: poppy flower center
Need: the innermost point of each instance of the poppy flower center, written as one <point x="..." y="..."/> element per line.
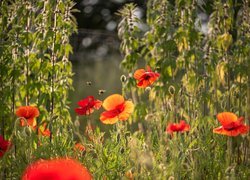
<point x="119" y="108"/>
<point x="230" y="128"/>
<point x="114" y="112"/>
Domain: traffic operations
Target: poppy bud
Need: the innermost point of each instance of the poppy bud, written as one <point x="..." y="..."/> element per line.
<point x="123" y="78"/>
<point x="77" y="123"/>
<point x="171" y="90"/>
<point x="148" y="89"/>
<point x="226" y="6"/>
<point x="18" y="135"/>
<point x="27" y="131"/>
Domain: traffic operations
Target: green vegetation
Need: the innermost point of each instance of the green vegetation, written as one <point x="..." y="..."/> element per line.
<point x="201" y="75"/>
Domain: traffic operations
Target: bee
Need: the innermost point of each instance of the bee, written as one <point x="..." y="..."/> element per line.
<point x="101" y="91"/>
<point x="89" y="83"/>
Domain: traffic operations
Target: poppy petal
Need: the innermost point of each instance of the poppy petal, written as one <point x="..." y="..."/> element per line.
<point x="98" y="104"/>
<point x="234" y="132"/>
<point x="30" y="122"/>
<point x="139" y="73"/>
<point x="89" y="111"/>
<point x="27" y="112"/>
<point x="227" y="118"/>
<point x="148" y="68"/>
<point x="183" y="126"/>
<point x="56" y="169"/>
<point x="112" y="102"/>
<point x="106" y="120"/>
<point x="143" y="83"/>
<point x="4" y="146"/>
<point x="128" y="109"/>
<point x="86" y="101"/>
<point x="80" y="111"/>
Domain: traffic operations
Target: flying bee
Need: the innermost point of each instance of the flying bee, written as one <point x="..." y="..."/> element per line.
<point x="101" y="91"/>
<point x="89" y="83"/>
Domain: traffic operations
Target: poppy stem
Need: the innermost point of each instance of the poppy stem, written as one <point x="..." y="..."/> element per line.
<point x="229" y="150"/>
<point x="27" y="56"/>
<point x="248" y="93"/>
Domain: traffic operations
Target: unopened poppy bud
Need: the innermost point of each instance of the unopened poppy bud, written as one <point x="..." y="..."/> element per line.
<point x="226" y="5"/>
<point x="28" y="131"/>
<point x="123" y="78"/>
<point x="171" y="178"/>
<point x="148" y="89"/>
<point x="18" y="135"/>
<point x="171" y="90"/>
<point x="77" y="123"/>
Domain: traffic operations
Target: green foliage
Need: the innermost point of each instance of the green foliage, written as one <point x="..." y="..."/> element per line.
<point x="34" y="70"/>
<point x="201" y="74"/>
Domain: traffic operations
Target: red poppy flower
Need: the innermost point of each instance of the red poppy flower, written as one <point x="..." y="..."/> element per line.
<point x="88" y="105"/>
<point x="4" y="146"/>
<point x="231" y="125"/>
<point x="145" y="77"/>
<point x="177" y="127"/>
<point x="56" y="169"/>
<point x="116" y="109"/>
<point x="43" y="130"/>
<point x="27" y="114"/>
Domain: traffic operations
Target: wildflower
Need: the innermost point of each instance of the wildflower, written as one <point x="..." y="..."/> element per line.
<point x="88" y="105"/>
<point x="43" y="130"/>
<point x="4" y="146"/>
<point x="27" y="115"/>
<point x="79" y="147"/>
<point x="129" y="175"/>
<point x="145" y="77"/>
<point x="177" y="127"/>
<point x="56" y="169"/>
<point x="231" y="125"/>
<point x="116" y="109"/>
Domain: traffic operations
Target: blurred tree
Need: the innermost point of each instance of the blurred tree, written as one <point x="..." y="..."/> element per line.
<point x="99" y="14"/>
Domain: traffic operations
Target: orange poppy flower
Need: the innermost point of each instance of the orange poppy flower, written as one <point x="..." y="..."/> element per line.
<point x="4" y="146"/>
<point x="43" y="130"/>
<point x="178" y="127"/>
<point x="231" y="125"/>
<point x="56" y="169"/>
<point x="116" y="109"/>
<point x="79" y="147"/>
<point x="145" y="77"/>
<point x="27" y="114"/>
<point x="88" y="105"/>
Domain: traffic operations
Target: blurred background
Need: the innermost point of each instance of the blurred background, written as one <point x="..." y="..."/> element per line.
<point x="96" y="56"/>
